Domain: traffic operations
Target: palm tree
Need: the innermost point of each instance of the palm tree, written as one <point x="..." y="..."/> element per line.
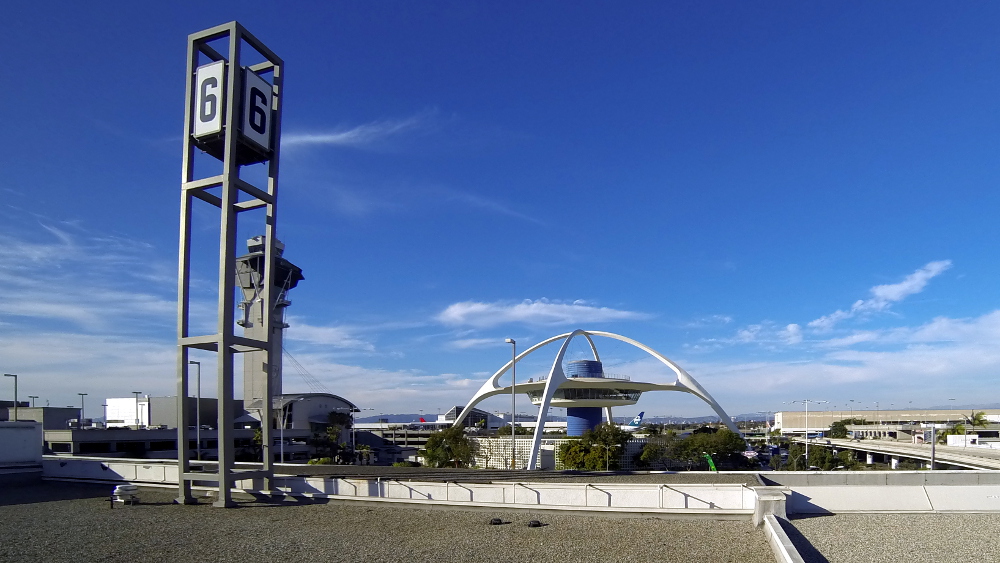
<point x="365" y="452"/>
<point x="976" y="419"/>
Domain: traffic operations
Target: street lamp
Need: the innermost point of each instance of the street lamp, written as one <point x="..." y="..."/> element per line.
<point x="79" y="423"/>
<point x="32" y="397"/>
<point x="806" y="403"/>
<point x="513" y="380"/>
<point x="14" y="375"/>
<point x="136" y="393"/>
<point x="197" y="410"/>
<point x="284" y="421"/>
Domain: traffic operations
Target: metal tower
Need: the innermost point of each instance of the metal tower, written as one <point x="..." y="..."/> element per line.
<point x="233" y="113"/>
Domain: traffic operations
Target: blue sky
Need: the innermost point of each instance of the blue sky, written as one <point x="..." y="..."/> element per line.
<point x="791" y="200"/>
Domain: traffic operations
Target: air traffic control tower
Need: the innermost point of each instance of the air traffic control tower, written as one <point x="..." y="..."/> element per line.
<point x="250" y="276"/>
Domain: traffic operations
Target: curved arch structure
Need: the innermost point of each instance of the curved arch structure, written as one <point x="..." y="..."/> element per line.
<point x="684" y="383"/>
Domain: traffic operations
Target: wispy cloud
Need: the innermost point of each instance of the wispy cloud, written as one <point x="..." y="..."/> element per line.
<point x="65" y="274"/>
<point x="359" y="136"/>
<point x="388" y="390"/>
<point x="339" y="337"/>
<point x="540" y="312"/>
<point x="473" y="200"/>
<point x="709" y="321"/>
<point x="466" y="343"/>
<point x="883" y="296"/>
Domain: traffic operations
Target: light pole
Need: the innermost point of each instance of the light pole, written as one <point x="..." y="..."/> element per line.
<point x="197" y="409"/>
<point x="878" y="414"/>
<point x="32" y="397"/>
<point x="79" y="423"/>
<point x="284" y="421"/>
<point x="136" y="393"/>
<point x="806" y="403"/>
<point x="513" y="380"/>
<point x="14" y="375"/>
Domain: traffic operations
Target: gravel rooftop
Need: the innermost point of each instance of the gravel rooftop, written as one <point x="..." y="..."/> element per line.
<point x="72" y="522"/>
<point x="877" y="538"/>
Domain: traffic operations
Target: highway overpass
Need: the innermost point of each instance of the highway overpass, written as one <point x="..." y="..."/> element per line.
<point x="968" y="457"/>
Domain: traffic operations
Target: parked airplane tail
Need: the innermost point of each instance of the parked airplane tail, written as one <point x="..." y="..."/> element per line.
<point x="637" y="421"/>
<point x="422" y="419"/>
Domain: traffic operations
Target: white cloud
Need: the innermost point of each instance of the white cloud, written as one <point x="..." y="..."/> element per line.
<point x="540" y="312"/>
<point x="466" y="343"/>
<point x="792" y="334"/>
<point x="326" y="336"/>
<point x="386" y="390"/>
<point x="749" y="334"/>
<point x="883" y="296"/>
<point x="710" y="320"/>
<point x="359" y="136"/>
<point x="68" y="275"/>
<point x="852" y="339"/>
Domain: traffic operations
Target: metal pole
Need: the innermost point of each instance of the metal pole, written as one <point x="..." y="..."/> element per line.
<point x="14" y="375"/>
<point x="281" y="431"/>
<point x="137" y="393"/>
<point x="197" y="410"/>
<point x="79" y="422"/>
<point x="513" y="381"/>
<point x="807" y="435"/>
<point x="933" y="443"/>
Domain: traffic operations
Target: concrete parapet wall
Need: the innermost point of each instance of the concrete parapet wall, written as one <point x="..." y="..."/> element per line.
<point x="928" y="498"/>
<point x="881" y="478"/>
<point x="781" y="545"/>
<point x="707" y="499"/>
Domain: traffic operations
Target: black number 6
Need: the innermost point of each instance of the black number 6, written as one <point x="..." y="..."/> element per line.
<point x="209" y="102"/>
<point x="258" y="119"/>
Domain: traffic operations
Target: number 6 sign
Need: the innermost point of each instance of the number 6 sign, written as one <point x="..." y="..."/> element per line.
<point x="256" y="124"/>
<point x="209" y="90"/>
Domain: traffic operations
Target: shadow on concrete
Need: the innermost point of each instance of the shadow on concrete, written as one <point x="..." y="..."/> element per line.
<point x="52" y="491"/>
<point x="809" y="553"/>
<point x="798" y="504"/>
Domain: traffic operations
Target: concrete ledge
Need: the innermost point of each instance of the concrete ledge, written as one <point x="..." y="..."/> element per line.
<point x="781" y="546"/>
<point x="622" y="512"/>
<point x="770" y="500"/>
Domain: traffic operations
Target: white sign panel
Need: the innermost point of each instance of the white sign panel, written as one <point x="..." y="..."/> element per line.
<point x="257" y="109"/>
<point x="209" y="84"/>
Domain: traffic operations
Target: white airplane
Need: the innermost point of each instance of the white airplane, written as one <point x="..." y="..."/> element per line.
<point x="635" y="424"/>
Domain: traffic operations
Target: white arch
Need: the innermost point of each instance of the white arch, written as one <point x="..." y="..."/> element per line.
<point x="685" y="383"/>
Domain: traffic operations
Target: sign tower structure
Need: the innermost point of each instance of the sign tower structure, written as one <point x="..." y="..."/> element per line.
<point x="232" y="113"/>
